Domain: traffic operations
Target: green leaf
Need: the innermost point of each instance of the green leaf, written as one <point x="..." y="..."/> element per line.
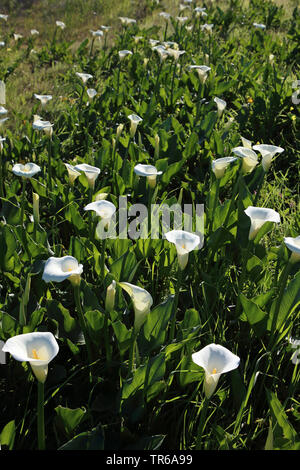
<point x="90" y="440"/>
<point x="289" y="302"/>
<point x="8" y="434"/>
<point x="68" y="418"/>
<point x="154" y="329"/>
<point x="256" y="317"/>
<point x="284" y="435"/>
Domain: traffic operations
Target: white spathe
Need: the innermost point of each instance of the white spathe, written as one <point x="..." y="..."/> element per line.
<point x="215" y="360"/>
<point x="91" y="172"/>
<point x="149" y="171"/>
<point x="43" y="98"/>
<point x="267" y="152"/>
<point x="258" y="217"/>
<point x="185" y="242"/>
<point x="84" y="76"/>
<point x="103" y="209"/>
<point x="124" y="53"/>
<point x="293" y="244"/>
<point x="135" y="120"/>
<point x="73" y="174"/>
<point x="220" y="164"/>
<point x="37" y="348"/>
<point x="60" y="269"/>
<point x="250" y="158"/>
<point x="221" y="105"/>
<point x="142" y="302"/>
<point x="26" y="171"/>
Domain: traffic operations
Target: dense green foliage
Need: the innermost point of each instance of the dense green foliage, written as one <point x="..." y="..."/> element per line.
<point x="232" y="290"/>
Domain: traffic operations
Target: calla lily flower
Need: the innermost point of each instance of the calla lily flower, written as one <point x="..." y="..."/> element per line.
<point x="166" y="16"/>
<point x="202" y="71"/>
<point x="267" y="152"/>
<point x="182" y="19"/>
<point x="162" y="52"/>
<point x="34" y="32"/>
<point x="105" y="28"/>
<point x="73" y="174"/>
<point x="149" y="171"/>
<point x="124" y="53"/>
<point x="26" y="171"/>
<point x="219" y="166"/>
<point x="3" y="17"/>
<point x="259" y="25"/>
<point x="98" y="34"/>
<point x="2" y="139"/>
<point x="3" y="111"/>
<point x="135" y="120"/>
<point x="60" y="24"/>
<point x="110" y="296"/>
<point x="41" y="125"/>
<point x="215" y="360"/>
<point x="199" y="10"/>
<point x="17" y="36"/>
<point x="259" y="216"/>
<point x="60" y="269"/>
<point x="37" y="348"/>
<point x="293" y="244"/>
<point x="175" y="53"/>
<point x="142" y="302"/>
<point x="84" y="76"/>
<point x="207" y="27"/>
<point x="91" y="93"/>
<point x="43" y="98"/>
<point x="126" y="20"/>
<point x="91" y="172"/>
<point x="221" y="104"/>
<point x="246" y="143"/>
<point x="185" y="242"/>
<point x="103" y="209"/>
<point x="250" y="159"/>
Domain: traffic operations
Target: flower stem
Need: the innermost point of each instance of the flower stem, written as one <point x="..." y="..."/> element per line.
<point x="49" y="165"/>
<point x="214" y="204"/>
<point x="282" y="282"/>
<point x="173" y="322"/>
<point x="40" y="417"/>
<point x="202" y="422"/>
<point x="131" y="352"/>
<point x="82" y="321"/>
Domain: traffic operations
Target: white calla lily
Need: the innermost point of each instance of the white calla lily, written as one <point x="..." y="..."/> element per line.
<point x="72" y="173"/>
<point x="26" y="171"/>
<point x="175" y="53"/>
<point x="259" y="25"/>
<point x="135" y="120"/>
<point x="293" y="244"/>
<point x="34" y="32"/>
<point x="103" y="209"/>
<point x="60" y="24"/>
<point x="207" y="27"/>
<point x="91" y="173"/>
<point x="3" y="17"/>
<point x="127" y="21"/>
<point x="37" y="348"/>
<point x="84" y="76"/>
<point x="267" y="152"/>
<point x="219" y="166"/>
<point x="41" y="125"/>
<point x="91" y="93"/>
<point x="43" y="98"/>
<point x="250" y="158"/>
<point x="185" y="242"/>
<point x="60" y="269"/>
<point x="149" y="171"/>
<point x="246" y="143"/>
<point x="166" y="16"/>
<point x="215" y="360"/>
<point x="124" y="53"/>
<point x="3" y="111"/>
<point x="142" y="302"/>
<point x="110" y="296"/>
<point x="221" y="105"/>
<point x="258" y="217"/>
<point x="98" y="34"/>
<point x="202" y="71"/>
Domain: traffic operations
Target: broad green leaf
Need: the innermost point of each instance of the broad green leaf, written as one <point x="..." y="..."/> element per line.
<point x="69" y="418"/>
